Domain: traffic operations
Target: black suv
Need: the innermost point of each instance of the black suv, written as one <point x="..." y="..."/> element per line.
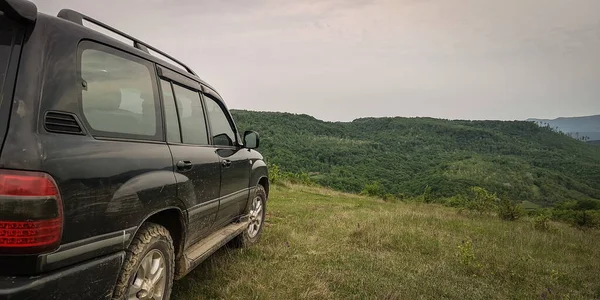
<point x="120" y="170"/>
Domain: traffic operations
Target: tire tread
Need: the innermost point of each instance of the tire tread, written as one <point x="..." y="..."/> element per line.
<point x="139" y="246"/>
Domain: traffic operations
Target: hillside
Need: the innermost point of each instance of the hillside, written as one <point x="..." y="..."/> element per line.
<point x="578" y="127"/>
<point x="321" y="244"/>
<point x="412" y="156"/>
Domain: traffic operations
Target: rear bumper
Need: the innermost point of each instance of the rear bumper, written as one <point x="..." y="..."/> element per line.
<point x="90" y="280"/>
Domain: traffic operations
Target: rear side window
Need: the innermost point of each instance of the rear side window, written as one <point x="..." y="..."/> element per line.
<point x="118" y="97"/>
<point x="191" y="116"/>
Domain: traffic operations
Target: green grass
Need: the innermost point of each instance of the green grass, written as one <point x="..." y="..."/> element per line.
<point x="528" y="205"/>
<point x="322" y="244"/>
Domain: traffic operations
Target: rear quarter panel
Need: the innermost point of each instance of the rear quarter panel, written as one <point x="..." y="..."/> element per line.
<point x="108" y="186"/>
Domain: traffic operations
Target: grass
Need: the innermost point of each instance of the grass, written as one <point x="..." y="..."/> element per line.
<point x="322" y="244"/>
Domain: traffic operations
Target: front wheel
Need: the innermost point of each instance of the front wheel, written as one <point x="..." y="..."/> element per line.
<point x="256" y="216"/>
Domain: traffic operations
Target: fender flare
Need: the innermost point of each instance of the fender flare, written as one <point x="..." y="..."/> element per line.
<point x="133" y="231"/>
<point x="259" y="174"/>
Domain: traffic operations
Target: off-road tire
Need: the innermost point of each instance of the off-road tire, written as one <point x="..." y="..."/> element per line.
<point x="150" y="236"/>
<point x="244" y="240"/>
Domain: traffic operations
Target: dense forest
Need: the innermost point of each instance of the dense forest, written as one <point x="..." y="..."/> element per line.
<point x="407" y="157"/>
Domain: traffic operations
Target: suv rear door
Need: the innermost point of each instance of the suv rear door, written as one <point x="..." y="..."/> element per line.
<point x="11" y="39"/>
<point x="195" y="162"/>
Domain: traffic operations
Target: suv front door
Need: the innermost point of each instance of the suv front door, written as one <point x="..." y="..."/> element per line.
<point x="235" y="164"/>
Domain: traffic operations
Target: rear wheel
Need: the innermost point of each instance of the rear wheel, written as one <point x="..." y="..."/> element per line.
<point x="148" y="269"/>
<point x="256" y="216"/>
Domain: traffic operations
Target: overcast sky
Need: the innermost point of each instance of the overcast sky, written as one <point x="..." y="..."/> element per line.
<point x="340" y="60"/>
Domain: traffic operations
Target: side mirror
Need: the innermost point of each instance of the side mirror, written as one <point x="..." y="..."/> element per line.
<point x="251" y="139"/>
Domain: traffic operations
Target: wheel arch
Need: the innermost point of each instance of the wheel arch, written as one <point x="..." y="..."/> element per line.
<point x="172" y="218"/>
<point x="264" y="181"/>
<point x="260" y="175"/>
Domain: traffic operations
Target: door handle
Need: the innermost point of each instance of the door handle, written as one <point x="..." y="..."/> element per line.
<point x="226" y="163"/>
<point x="184" y="165"/>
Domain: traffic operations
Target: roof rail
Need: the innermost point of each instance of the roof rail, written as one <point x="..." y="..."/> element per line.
<point x="78" y="18"/>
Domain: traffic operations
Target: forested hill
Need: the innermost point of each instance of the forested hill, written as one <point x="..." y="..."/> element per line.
<point x="409" y="156"/>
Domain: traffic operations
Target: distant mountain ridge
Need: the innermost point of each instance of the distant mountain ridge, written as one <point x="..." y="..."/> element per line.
<point x="588" y="126"/>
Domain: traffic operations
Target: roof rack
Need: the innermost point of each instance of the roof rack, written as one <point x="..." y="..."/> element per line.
<point x="78" y="18"/>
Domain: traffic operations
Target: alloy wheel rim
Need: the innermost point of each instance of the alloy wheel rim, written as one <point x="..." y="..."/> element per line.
<point x="256" y="217"/>
<point x="150" y="278"/>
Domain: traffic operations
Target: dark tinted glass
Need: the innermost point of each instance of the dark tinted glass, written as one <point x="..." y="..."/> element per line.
<point x="171" y="118"/>
<point x="223" y="134"/>
<point x="119" y="97"/>
<point x="191" y="114"/>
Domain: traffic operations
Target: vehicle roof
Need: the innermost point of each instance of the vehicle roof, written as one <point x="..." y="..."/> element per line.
<point x="115" y="43"/>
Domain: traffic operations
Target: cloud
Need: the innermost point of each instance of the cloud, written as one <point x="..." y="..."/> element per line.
<point x="339" y="59"/>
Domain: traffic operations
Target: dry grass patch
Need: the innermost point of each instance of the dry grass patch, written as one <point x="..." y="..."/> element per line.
<point x="322" y="244"/>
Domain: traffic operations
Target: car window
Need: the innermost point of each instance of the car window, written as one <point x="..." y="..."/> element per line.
<point x="118" y="99"/>
<point x="191" y="116"/>
<point x="7" y="35"/>
<point x="171" y="119"/>
<point x="223" y="133"/>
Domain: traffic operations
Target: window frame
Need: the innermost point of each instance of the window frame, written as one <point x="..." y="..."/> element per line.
<point x="221" y="104"/>
<point x="163" y="106"/>
<point x="172" y="84"/>
<point x="159" y="134"/>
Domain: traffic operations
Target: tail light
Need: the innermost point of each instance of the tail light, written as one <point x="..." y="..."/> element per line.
<point x="31" y="213"/>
